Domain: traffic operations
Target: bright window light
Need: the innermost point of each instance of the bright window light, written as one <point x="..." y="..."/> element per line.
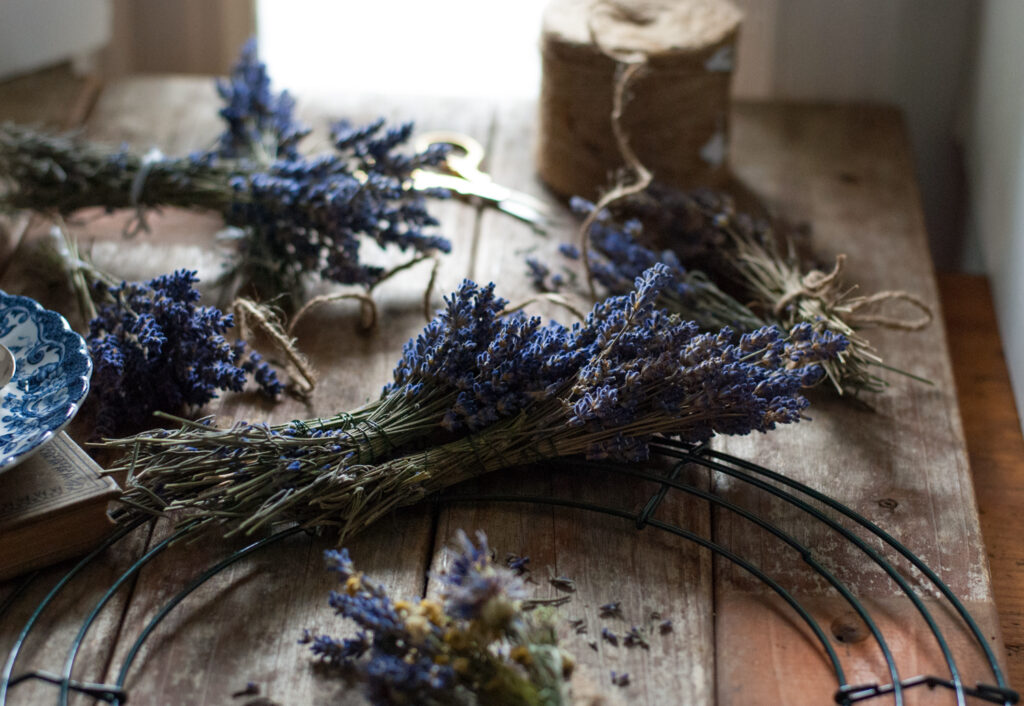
<point x="405" y="47"/>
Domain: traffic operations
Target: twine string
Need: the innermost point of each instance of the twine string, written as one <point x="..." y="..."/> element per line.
<point x="629" y="66"/>
<point x="814" y="284"/>
<point x="367" y="304"/>
<point x="553" y="297"/>
<point x="678" y="120"/>
<point x="428" y="293"/>
<point x="298" y="367"/>
<point x="825" y="287"/>
<point x="853" y="306"/>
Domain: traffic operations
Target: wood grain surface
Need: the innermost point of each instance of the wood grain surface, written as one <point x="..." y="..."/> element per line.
<point x="994" y="444"/>
<point x="899" y="461"/>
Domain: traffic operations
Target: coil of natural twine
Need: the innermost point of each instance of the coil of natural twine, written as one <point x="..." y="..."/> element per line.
<point x="678" y="108"/>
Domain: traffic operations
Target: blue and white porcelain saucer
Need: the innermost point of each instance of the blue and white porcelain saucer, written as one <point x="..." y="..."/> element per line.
<point x="50" y="381"/>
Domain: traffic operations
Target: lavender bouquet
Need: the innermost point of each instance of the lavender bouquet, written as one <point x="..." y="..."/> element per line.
<point x="712" y="244"/>
<point x="478" y="392"/>
<point x="299" y="216"/>
<point x="476" y="645"/>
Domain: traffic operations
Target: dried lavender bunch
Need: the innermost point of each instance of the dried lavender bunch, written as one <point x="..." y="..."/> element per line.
<point x="478" y="392"/>
<point x="617" y="257"/>
<point x="475" y="644"/>
<point x="153" y="348"/>
<point x="751" y="262"/>
<point x="299" y="216"/>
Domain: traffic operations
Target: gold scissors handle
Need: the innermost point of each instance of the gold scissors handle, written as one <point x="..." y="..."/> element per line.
<point x="461" y="174"/>
<point x="464" y="160"/>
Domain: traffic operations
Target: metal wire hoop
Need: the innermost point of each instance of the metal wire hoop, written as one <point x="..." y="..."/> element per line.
<point x="792" y="492"/>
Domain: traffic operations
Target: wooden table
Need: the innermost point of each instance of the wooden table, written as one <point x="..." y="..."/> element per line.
<point x="901" y="463"/>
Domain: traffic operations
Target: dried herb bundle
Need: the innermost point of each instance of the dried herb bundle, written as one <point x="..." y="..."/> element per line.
<point x="480" y="391"/>
<point x="733" y="269"/>
<point x="299" y="216"/>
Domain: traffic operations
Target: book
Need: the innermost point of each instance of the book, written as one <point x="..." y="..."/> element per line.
<point x="53" y="506"/>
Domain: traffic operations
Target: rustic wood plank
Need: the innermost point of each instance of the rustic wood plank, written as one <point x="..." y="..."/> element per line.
<point x="847" y="172"/>
<point x="43" y="98"/>
<point x="607" y="557"/>
<point x="243" y="625"/>
<point x="994" y="444"/>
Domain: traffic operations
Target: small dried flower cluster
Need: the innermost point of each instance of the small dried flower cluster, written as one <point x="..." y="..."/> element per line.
<point x="299" y="216"/>
<point x="154" y="349"/>
<point x="478" y="391"/>
<point x="475" y="644"/>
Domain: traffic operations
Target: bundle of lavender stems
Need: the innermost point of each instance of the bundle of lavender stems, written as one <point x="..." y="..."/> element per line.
<point x="478" y="391"/>
<point x="298" y="217"/>
<point x="731" y="269"/>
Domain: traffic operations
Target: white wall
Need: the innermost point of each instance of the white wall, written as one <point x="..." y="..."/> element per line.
<point x="914" y="54"/>
<point x="995" y="160"/>
<point x="36" y="33"/>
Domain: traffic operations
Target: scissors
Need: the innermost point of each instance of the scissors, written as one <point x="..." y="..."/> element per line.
<point x="460" y="174"/>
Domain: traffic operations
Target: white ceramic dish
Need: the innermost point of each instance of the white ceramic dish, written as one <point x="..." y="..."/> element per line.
<point x="50" y="381"/>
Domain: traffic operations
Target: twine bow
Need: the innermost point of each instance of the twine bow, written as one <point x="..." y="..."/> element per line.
<point x="825" y="287"/>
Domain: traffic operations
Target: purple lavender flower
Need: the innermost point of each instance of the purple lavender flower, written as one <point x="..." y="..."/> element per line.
<point x="301" y="217"/>
<point x="260" y="124"/>
<point x="479" y="391"/>
<point x="393" y="679"/>
<point x="620" y="258"/>
<point x="154" y="349"/>
<point x="308" y="215"/>
<point x="653" y="364"/>
<point x="339" y="652"/>
<point x="473" y="580"/>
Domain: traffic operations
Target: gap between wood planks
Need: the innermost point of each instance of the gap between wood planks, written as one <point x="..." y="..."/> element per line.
<point x="474" y="252"/>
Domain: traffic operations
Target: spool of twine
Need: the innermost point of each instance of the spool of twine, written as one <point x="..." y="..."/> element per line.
<point x="676" y="117"/>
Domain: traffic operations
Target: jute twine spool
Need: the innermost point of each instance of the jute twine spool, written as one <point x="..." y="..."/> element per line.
<point x="676" y="115"/>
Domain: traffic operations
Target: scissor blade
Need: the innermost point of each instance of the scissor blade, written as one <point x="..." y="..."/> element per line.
<point x="540" y="222"/>
<point x="516" y="204"/>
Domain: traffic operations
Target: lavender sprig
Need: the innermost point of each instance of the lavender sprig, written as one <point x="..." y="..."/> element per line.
<point x="261" y="125"/>
<point x="478" y="392"/>
<point x="618" y="257"/>
<point x="474" y="645"/>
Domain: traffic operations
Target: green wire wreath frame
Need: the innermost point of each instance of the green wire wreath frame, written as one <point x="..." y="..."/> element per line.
<point x="805" y="499"/>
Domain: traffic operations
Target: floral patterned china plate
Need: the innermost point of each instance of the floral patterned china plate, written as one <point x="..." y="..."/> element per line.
<point x="50" y="381"/>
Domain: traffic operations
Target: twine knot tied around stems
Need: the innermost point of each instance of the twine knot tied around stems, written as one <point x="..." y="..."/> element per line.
<point x="859" y="312"/>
